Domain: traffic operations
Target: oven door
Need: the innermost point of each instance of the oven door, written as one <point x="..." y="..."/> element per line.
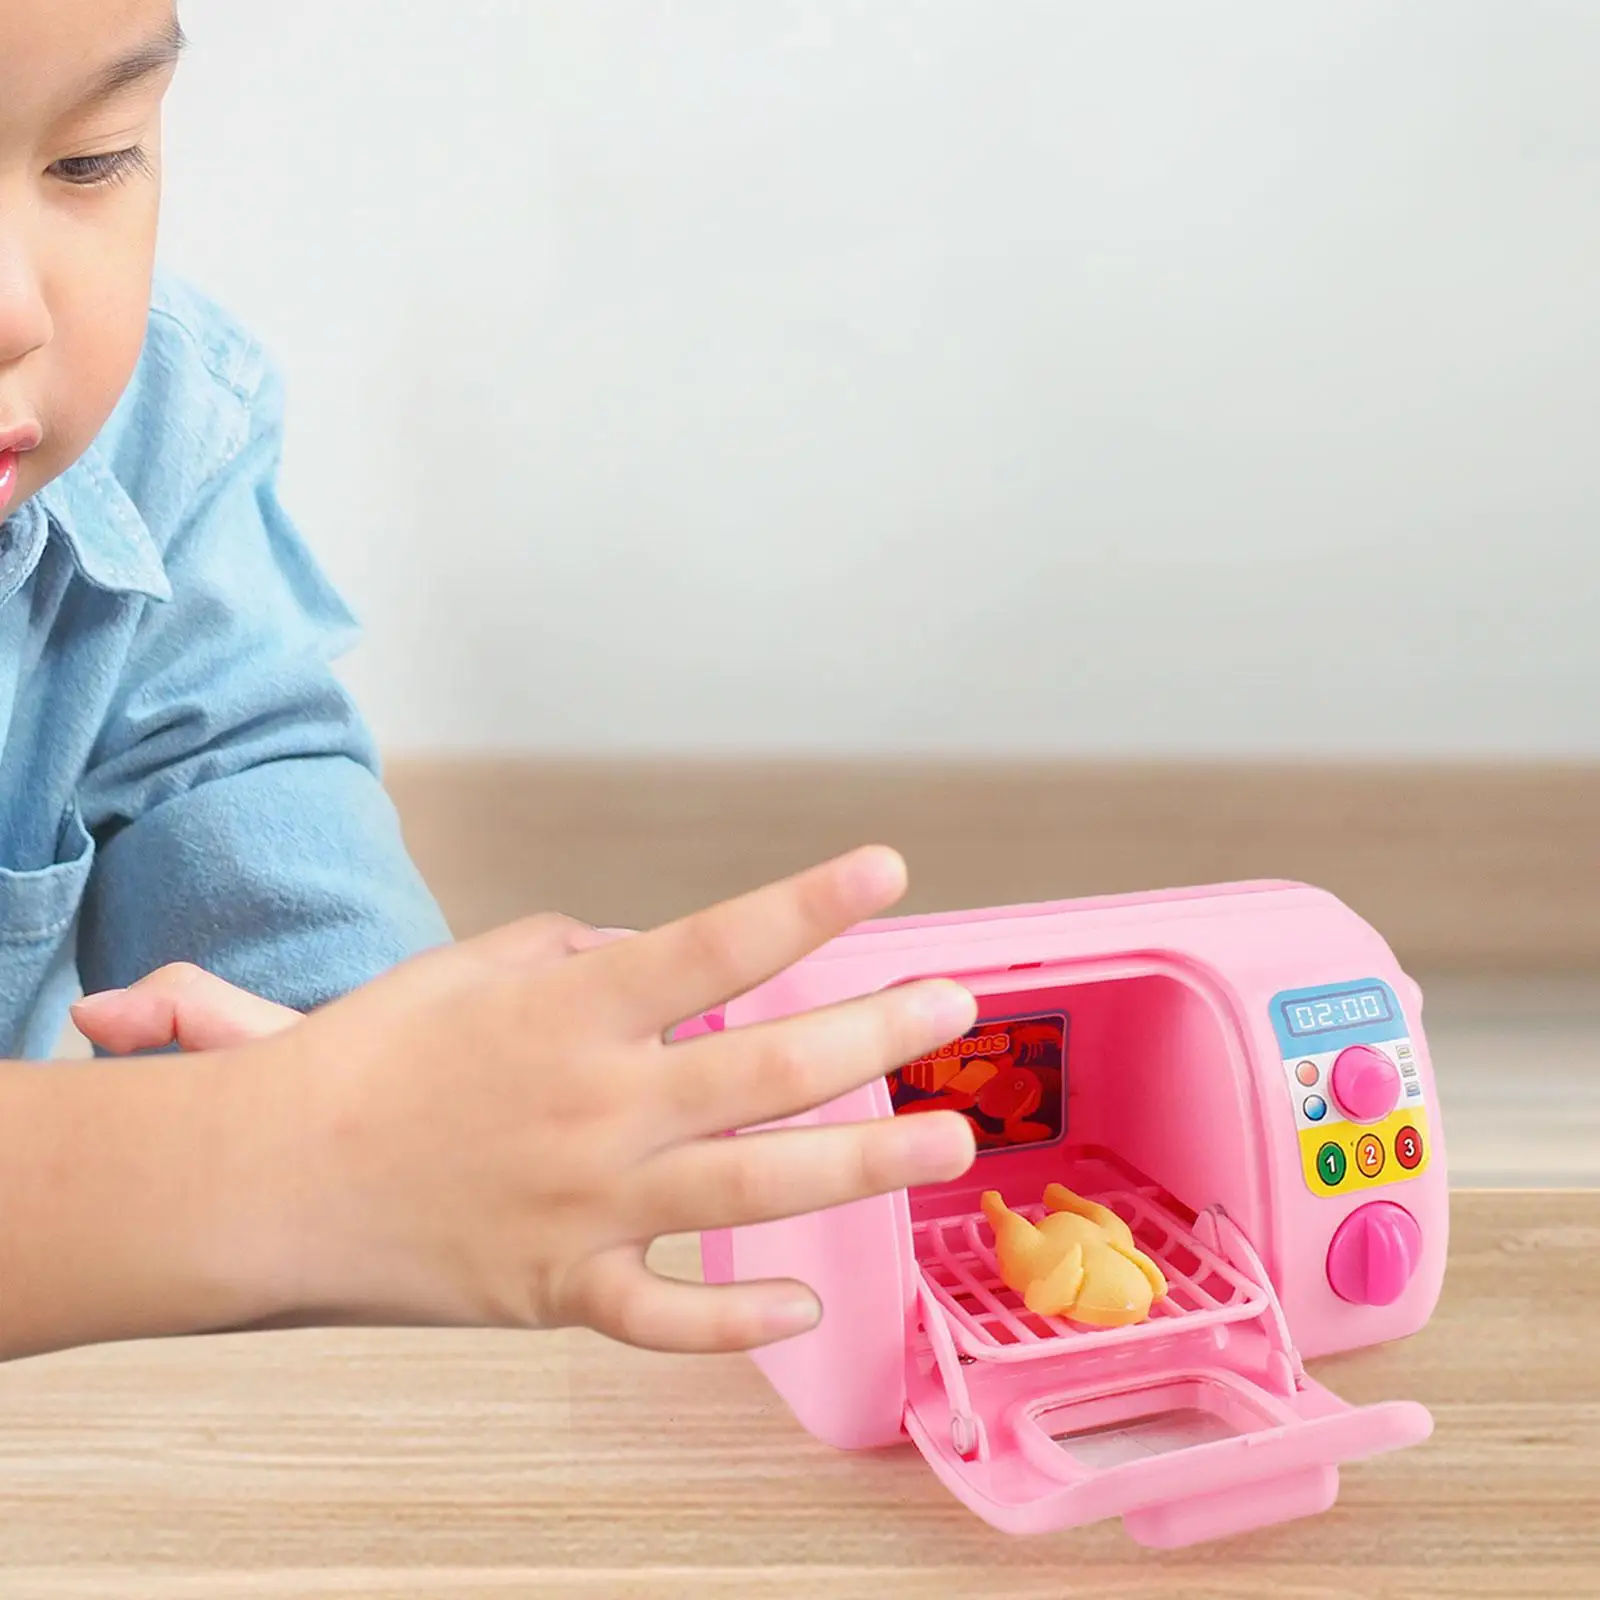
<point x="1194" y="1425"/>
<point x="1196" y="1452"/>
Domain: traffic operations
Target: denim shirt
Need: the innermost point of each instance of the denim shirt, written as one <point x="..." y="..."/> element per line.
<point x="182" y="777"/>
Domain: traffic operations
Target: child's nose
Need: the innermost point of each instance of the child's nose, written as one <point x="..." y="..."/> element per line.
<point x="25" y="322"/>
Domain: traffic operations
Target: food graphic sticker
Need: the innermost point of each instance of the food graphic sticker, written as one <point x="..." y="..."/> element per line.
<point x="1007" y="1077"/>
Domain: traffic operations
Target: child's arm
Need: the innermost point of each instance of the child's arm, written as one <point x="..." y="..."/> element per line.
<point x="233" y="792"/>
<point x="194" y="1009"/>
<point x="143" y="1198"/>
<point x="483" y="1136"/>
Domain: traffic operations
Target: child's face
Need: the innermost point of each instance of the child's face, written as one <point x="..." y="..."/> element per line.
<point x="81" y="85"/>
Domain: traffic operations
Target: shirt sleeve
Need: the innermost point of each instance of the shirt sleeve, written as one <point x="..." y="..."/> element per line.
<point x="234" y="794"/>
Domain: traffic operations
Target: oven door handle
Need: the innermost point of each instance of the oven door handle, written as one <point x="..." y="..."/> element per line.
<point x="1233" y="1486"/>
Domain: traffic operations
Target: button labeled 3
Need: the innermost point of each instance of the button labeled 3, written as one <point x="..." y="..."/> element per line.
<point x="1408" y="1148"/>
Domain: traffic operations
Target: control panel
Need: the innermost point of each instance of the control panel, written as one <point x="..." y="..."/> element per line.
<point x="1360" y="1113"/>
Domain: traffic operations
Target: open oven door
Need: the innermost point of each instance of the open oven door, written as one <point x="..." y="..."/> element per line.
<point x="1200" y="1435"/>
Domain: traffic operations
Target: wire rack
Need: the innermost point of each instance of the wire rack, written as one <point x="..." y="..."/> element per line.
<point x="990" y="1323"/>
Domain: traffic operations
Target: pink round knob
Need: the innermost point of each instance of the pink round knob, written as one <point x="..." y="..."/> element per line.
<point x="1374" y="1254"/>
<point x="1366" y="1083"/>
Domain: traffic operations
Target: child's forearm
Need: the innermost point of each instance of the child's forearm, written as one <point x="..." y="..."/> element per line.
<point x="484" y="1136"/>
<point x="144" y="1198"/>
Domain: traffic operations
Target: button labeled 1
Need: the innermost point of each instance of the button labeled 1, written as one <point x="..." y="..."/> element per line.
<point x="1331" y="1165"/>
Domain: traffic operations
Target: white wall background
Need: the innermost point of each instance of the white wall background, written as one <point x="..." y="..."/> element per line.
<point x="861" y="375"/>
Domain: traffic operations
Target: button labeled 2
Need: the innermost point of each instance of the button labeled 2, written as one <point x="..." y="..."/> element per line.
<point x="1370" y="1155"/>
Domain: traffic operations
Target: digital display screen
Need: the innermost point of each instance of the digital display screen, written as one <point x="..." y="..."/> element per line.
<point x="1008" y="1078"/>
<point x="1354" y="1008"/>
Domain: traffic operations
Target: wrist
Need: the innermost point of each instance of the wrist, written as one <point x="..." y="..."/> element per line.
<point x="255" y="1250"/>
<point x="143" y="1199"/>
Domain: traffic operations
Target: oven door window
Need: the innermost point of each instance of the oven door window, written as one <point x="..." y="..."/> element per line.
<point x="1007" y="1077"/>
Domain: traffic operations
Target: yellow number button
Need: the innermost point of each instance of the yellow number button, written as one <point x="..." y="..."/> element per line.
<point x="1370" y="1156"/>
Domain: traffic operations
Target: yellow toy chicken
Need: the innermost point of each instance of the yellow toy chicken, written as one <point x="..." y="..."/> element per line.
<point x="1079" y="1262"/>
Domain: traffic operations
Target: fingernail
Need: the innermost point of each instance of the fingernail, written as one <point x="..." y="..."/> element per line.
<point x="879" y="874"/>
<point x="92" y="1002"/>
<point x="789" y="1317"/>
<point x="938" y="1146"/>
<point x="947" y="1008"/>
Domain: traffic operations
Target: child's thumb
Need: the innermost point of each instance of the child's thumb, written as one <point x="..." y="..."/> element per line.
<point x="179" y="1004"/>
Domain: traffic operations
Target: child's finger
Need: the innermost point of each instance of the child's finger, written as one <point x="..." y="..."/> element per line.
<point x="678" y="971"/>
<point x="178" y="1004"/>
<point x="749" y="1076"/>
<point x="790" y="1172"/>
<point x="630" y="1303"/>
<point x="535" y="942"/>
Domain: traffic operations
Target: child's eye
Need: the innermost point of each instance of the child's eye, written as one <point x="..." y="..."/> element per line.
<point x="114" y="166"/>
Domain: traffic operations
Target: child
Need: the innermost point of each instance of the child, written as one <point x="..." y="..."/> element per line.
<point x="487" y="1133"/>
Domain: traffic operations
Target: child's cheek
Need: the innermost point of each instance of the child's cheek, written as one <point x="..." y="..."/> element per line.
<point x="100" y="304"/>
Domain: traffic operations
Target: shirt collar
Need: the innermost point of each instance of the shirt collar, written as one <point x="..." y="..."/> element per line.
<point x="98" y="522"/>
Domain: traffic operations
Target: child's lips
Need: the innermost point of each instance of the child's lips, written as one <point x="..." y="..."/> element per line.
<point x="14" y="443"/>
<point x="8" y="478"/>
<point x="20" y="436"/>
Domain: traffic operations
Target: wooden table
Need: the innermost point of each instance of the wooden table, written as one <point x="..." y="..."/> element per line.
<point x="461" y="1465"/>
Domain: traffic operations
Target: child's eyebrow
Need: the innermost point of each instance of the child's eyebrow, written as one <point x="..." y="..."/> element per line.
<point x="154" y="55"/>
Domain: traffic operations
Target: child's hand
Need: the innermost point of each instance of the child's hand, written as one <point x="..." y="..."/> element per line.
<point x="194" y="1009"/>
<point x="481" y="1138"/>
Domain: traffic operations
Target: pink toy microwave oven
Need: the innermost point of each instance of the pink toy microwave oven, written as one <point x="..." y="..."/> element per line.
<point x="1238" y="1072"/>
